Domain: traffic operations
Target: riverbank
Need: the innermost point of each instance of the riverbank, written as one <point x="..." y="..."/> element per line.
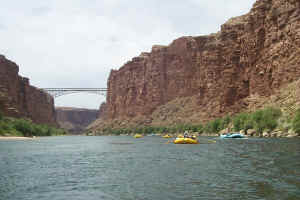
<point x="267" y="122"/>
<point x="26" y="128"/>
<point x="16" y="138"/>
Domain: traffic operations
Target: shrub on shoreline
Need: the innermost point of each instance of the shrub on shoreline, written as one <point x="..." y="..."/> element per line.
<point x="1" y="115"/>
<point x="296" y="122"/>
<point x="26" y="128"/>
<point x="260" y="120"/>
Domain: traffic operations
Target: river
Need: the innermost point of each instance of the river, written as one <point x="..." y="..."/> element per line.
<point x="149" y="168"/>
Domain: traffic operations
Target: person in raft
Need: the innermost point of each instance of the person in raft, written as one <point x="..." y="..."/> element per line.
<point x="186" y="134"/>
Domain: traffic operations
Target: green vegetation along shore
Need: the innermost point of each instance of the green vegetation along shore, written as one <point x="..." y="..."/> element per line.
<point x="26" y="128"/>
<point x="263" y="122"/>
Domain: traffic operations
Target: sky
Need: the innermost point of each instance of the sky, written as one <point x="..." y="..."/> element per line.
<point x="75" y="43"/>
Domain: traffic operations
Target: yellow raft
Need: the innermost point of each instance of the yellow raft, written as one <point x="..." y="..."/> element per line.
<point x="167" y="136"/>
<point x="138" y="136"/>
<point x="185" y="141"/>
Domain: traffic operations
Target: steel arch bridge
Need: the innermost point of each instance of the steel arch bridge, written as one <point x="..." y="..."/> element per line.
<point x="57" y="92"/>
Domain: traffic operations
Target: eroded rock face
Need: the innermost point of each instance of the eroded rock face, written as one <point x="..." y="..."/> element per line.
<point x="256" y="53"/>
<point x="75" y="120"/>
<point x="19" y="99"/>
<point x="102" y="110"/>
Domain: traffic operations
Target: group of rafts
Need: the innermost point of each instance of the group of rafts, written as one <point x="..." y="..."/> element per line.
<point x="180" y="139"/>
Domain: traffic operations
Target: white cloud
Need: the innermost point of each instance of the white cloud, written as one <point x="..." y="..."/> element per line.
<point x="75" y="43"/>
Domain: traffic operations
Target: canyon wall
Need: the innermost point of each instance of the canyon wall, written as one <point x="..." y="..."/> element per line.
<point x="75" y="120"/>
<point x="21" y="100"/>
<point x="254" y="54"/>
<point x="102" y="110"/>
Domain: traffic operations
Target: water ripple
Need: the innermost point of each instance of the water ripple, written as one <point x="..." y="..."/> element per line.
<point x="113" y="168"/>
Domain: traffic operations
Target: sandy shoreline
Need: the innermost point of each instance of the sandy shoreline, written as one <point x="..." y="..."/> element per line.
<point x="15" y="138"/>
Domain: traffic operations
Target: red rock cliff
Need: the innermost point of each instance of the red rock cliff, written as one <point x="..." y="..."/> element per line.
<point x="256" y="53"/>
<point x="102" y="110"/>
<point x="19" y="99"/>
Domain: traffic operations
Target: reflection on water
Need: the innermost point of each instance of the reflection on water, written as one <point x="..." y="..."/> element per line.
<point x="78" y="167"/>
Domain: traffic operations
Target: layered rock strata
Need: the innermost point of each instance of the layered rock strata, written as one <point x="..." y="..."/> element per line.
<point x="254" y="54"/>
<point x="21" y="100"/>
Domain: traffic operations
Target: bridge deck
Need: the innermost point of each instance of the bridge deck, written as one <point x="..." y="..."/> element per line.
<point x="57" y="92"/>
<point x="73" y="89"/>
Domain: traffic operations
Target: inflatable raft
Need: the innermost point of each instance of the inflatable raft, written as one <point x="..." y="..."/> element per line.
<point x="167" y="136"/>
<point x="232" y="135"/>
<point x="185" y="141"/>
<point x="138" y="136"/>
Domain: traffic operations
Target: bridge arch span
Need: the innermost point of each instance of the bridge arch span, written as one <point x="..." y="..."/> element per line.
<point x="57" y="92"/>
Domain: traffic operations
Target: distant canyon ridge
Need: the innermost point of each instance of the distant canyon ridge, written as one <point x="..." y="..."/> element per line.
<point x="75" y="120"/>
